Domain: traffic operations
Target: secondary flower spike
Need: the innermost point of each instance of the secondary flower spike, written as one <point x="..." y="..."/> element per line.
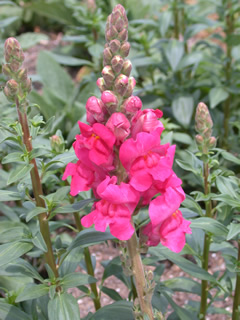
<point x="120" y="155"/>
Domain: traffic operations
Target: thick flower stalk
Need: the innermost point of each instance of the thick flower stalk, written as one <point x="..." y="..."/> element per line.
<point x="121" y="158"/>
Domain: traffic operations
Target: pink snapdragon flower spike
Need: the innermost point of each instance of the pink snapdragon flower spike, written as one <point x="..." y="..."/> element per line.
<point x="170" y="233"/>
<point x="120" y="155"/>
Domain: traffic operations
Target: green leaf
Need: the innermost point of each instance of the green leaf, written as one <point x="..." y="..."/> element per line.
<point x="34" y="212"/>
<point x="183" y="314"/>
<point x="183" y="285"/>
<point x="54" y="77"/>
<point x="12" y="157"/>
<point x="39" y="242"/>
<point x="217" y="95"/>
<point x="70" y="61"/>
<point x="118" y="311"/>
<point x="63" y="307"/>
<point x="19" y="173"/>
<point x="11" y="230"/>
<point x="234" y="230"/>
<point x="13" y="250"/>
<point x="6" y="195"/>
<point x="228" y="200"/>
<point x="186" y="265"/>
<point x="174" y="51"/>
<point x="75" y="279"/>
<point x="226" y="186"/>
<point x="230" y="157"/>
<point x="32" y="291"/>
<point x="23" y="267"/>
<point x="10" y="312"/>
<point x="113" y="294"/>
<point x="54" y="10"/>
<point x="211" y="225"/>
<point x="183" y="109"/>
<point x="30" y="39"/>
<point x="165" y="21"/>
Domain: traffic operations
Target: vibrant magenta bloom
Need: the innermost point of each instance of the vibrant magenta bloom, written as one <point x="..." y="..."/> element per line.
<point x="171" y="232"/>
<point x="114" y="210"/>
<point x="146" y="160"/>
<point x="147" y="121"/>
<point x="119" y="125"/>
<point x="99" y="140"/>
<point x="95" y="110"/>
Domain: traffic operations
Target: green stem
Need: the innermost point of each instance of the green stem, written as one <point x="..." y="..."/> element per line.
<point x="236" y="300"/>
<point x="176" y="19"/>
<point x="227" y="104"/>
<point x="139" y="276"/>
<point x="89" y="266"/>
<point x="207" y="242"/>
<point x="37" y="191"/>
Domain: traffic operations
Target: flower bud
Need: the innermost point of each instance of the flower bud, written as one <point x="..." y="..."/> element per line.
<point x="13" y="50"/>
<point x="119" y="125"/>
<point x="117" y="63"/>
<point x="199" y="139"/>
<point x="22" y="75"/>
<point x="121" y="84"/>
<point x="57" y="143"/>
<point x="11" y="89"/>
<point x="132" y="105"/>
<point x="123" y="35"/>
<point x="125" y="48"/>
<point x="15" y="65"/>
<point x="101" y="84"/>
<point x="27" y="85"/>
<point x="95" y="110"/>
<point x="203" y="118"/>
<point x="212" y="142"/>
<point x="111" y="33"/>
<point x="110" y="100"/>
<point x="127" y="68"/>
<point x="107" y="55"/>
<point x="7" y="70"/>
<point x="131" y="85"/>
<point x="108" y="75"/>
<point x="115" y="45"/>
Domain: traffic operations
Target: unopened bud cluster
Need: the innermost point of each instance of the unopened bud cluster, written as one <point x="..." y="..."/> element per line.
<point x="203" y="125"/>
<point x="116" y="84"/>
<point x="18" y="85"/>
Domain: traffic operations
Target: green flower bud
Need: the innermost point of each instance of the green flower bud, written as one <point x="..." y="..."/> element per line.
<point x="101" y="84"/>
<point x="22" y="75"/>
<point x="11" y="90"/>
<point x="7" y="70"/>
<point x="13" y="50"/>
<point x="108" y="75"/>
<point x="127" y="68"/>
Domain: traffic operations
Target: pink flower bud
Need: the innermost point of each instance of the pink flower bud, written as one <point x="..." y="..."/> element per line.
<point x="107" y="55"/>
<point x="147" y="121"/>
<point x="212" y="142"/>
<point x="199" y="139"/>
<point x="27" y="85"/>
<point x="121" y="84"/>
<point x="115" y="45"/>
<point x="13" y="51"/>
<point x="101" y="84"/>
<point x="111" y="33"/>
<point x="22" y="75"/>
<point x="108" y="75"/>
<point x="11" y="90"/>
<point x="110" y="100"/>
<point x="123" y="35"/>
<point x="125" y="48"/>
<point x="119" y="125"/>
<point x="132" y="105"/>
<point x="131" y="85"/>
<point x="127" y="68"/>
<point x="117" y="63"/>
<point x="15" y="65"/>
<point x="95" y="110"/>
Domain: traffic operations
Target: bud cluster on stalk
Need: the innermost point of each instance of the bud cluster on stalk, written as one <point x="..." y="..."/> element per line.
<point x="116" y="85"/>
<point x="203" y="125"/>
<point x="18" y="85"/>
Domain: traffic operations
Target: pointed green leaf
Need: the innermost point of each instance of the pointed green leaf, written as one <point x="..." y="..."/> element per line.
<point x="211" y="225"/>
<point x="217" y="95"/>
<point x="75" y="279"/>
<point x="19" y="173"/>
<point x="35" y="212"/>
<point x="32" y="291"/>
<point x="13" y="250"/>
<point x="6" y="195"/>
<point x="118" y="311"/>
<point x="10" y="312"/>
<point x="39" y="242"/>
<point x="234" y="230"/>
<point x="183" y="109"/>
<point x="63" y="307"/>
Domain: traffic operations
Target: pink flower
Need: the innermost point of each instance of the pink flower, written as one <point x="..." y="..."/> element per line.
<point x="114" y="210"/>
<point x="99" y="140"/>
<point x="146" y="160"/>
<point x="147" y="121"/>
<point x="119" y="125"/>
<point x="171" y="232"/>
<point x="95" y="110"/>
